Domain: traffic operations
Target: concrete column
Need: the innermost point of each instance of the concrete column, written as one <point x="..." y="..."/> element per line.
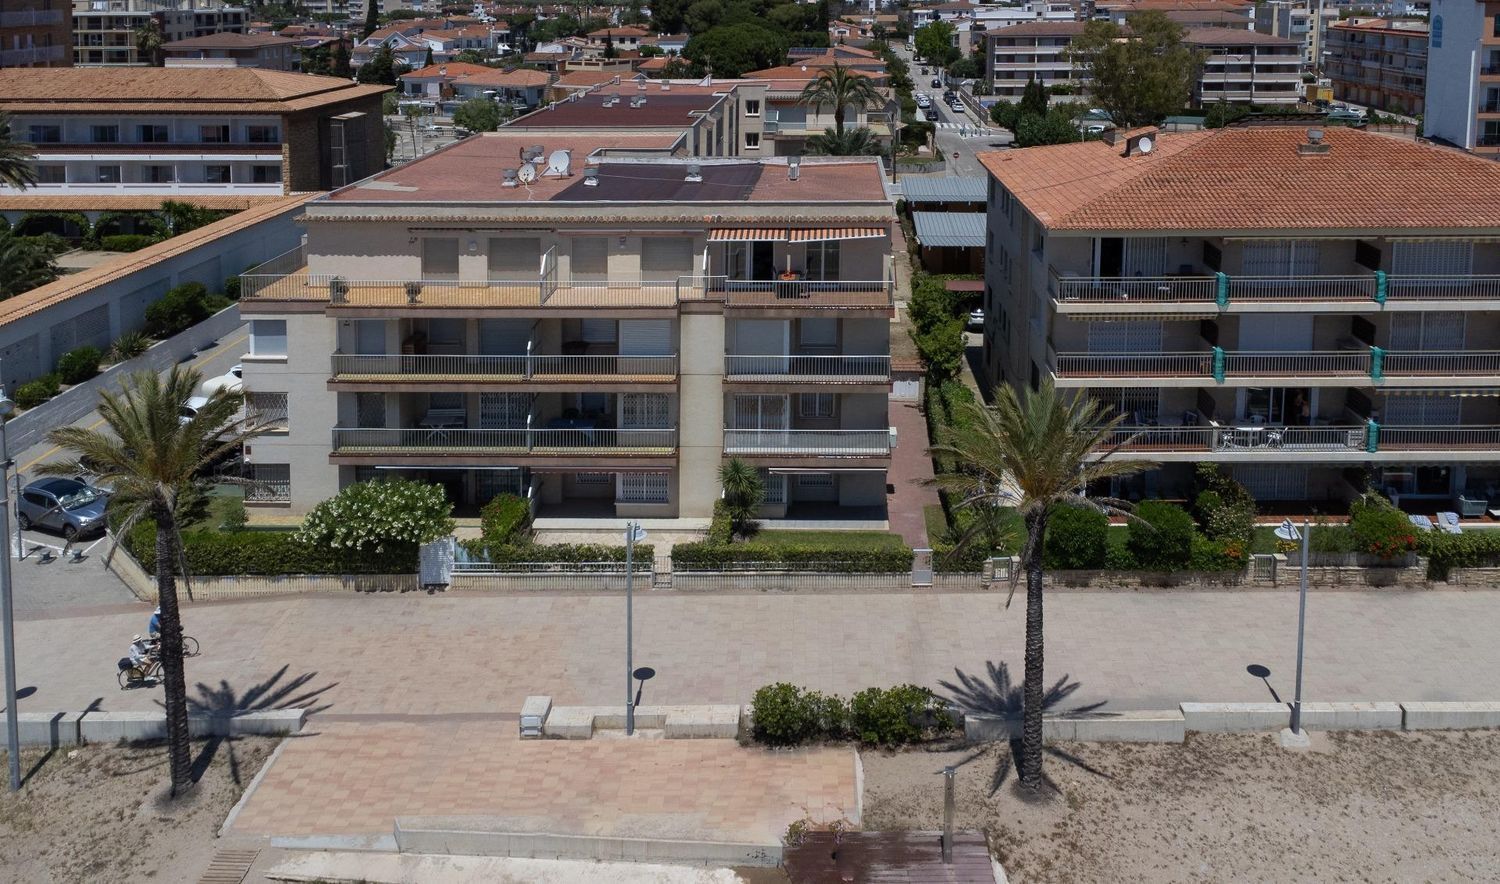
<point x="700" y="433"/>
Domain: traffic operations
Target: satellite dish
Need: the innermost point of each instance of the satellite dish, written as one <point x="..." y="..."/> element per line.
<point x="559" y="162"/>
<point x="1145" y="144"/>
<point x="527" y="173"/>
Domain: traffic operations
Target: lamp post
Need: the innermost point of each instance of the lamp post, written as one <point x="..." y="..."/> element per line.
<point x="634" y="533"/>
<point x="1288" y="531"/>
<point x="7" y="609"/>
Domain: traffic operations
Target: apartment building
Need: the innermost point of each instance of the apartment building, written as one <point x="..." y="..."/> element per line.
<point x="104" y="30"/>
<point x="1379" y="63"/>
<point x="1239" y="302"/>
<point x="1462" y="106"/>
<point x="227" y="50"/>
<point x="1030" y="51"/>
<point x="1246" y="67"/>
<point x="589" y="320"/>
<point x="166" y="133"/>
<point x="36" y="34"/>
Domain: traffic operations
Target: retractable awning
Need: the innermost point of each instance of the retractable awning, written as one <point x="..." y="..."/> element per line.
<point x="820" y="234"/>
<point x="1461" y="392"/>
<point x="747" y="234"/>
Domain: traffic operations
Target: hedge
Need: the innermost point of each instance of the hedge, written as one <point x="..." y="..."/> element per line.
<point x="77" y="366"/>
<point x="234" y="553"/>
<point x="784" y="714"/>
<point x="505" y="519"/>
<point x="556" y="553"/>
<point x="126" y="242"/>
<point x="1444" y="552"/>
<point x="34" y="393"/>
<point x="1077" y="539"/>
<point x="703" y="556"/>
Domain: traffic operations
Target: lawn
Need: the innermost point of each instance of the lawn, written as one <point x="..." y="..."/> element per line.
<point x="841" y="540"/>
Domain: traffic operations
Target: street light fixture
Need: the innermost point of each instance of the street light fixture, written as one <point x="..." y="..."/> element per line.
<point x="1288" y="531"/>
<point x="7" y="608"/>
<point x="634" y="534"/>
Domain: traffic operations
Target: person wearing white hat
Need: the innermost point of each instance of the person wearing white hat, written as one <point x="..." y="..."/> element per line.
<point x="140" y="651"/>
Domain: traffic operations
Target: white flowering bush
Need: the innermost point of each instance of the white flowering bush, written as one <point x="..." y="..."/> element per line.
<point x="375" y="516"/>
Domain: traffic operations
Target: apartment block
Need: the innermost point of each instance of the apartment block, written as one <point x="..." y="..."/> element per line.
<point x="171" y="132"/>
<point x="228" y="50"/>
<point x="1030" y="51"/>
<point x="36" y="34"/>
<point x="1379" y="63"/>
<point x="589" y="320"/>
<point x="104" y="30"/>
<point x="1463" y="80"/>
<point x="1231" y="296"/>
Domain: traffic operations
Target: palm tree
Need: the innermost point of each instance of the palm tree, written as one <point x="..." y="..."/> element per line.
<point x="148" y="42"/>
<point x="1033" y="454"/>
<point x="23" y="265"/>
<point x="15" y="158"/>
<point x="840" y="87"/>
<point x="859" y="142"/>
<point x="154" y="463"/>
<point x="744" y="492"/>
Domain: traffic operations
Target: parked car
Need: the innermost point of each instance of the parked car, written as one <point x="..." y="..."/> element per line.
<point x="932" y="114"/>
<point x="231" y="381"/>
<point x="976" y="319"/>
<point x="66" y="506"/>
<point x="923" y="99"/>
<point x="937" y="83"/>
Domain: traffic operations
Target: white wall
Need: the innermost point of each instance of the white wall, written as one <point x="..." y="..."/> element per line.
<point x="1454" y="56"/>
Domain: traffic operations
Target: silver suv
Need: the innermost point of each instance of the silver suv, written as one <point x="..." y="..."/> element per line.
<point x="64" y="505"/>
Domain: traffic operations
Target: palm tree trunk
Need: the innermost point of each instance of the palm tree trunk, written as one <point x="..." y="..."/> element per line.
<point x="178" y="750"/>
<point x="1031" y="715"/>
<point x="838" y="118"/>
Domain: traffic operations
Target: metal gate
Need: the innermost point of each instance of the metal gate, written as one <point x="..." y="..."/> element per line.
<point x="436" y="561"/>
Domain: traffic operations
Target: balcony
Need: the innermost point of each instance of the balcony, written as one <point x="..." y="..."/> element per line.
<point x="1222" y="292"/>
<point x="520" y="442"/>
<point x="1319" y="444"/>
<point x="799" y="293"/>
<point x="793" y="368"/>
<point x="1320" y="368"/>
<point x="15" y="58"/>
<point x="817" y="443"/>
<point x="580" y="370"/>
<point x="31" y="18"/>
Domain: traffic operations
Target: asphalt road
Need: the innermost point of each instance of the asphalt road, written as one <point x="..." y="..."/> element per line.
<point x="951" y="136"/>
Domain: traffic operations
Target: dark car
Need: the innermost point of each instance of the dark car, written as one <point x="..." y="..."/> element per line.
<point x="931" y="114"/>
<point x="937" y="83"/>
<point x="66" y="506"/>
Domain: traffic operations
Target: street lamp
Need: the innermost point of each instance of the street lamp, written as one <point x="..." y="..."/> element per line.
<point x="634" y="534"/>
<point x="1288" y="531"/>
<point x="7" y="609"/>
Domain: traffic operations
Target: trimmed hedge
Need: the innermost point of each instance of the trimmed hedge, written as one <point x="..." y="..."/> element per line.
<point x="504" y="520"/>
<point x="236" y="553"/>
<point x="705" y="556"/>
<point x="1077" y="539"/>
<point x="558" y="553"/>
<point x="786" y="715"/>
<point x="1471" y="549"/>
<point x="1381" y="529"/>
<point x="1162" y="537"/>
<point x="34" y="393"/>
<point x="721" y="528"/>
<point x="126" y="242"/>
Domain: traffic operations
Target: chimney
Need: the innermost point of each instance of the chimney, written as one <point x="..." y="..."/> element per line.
<point x="1139" y="142"/>
<point x="694" y="173"/>
<point x="590" y="176"/>
<point x="1315" y="145"/>
<point x="793" y="169"/>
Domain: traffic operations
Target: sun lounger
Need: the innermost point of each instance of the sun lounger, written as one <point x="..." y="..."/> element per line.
<point x="1449" y="523"/>
<point x="1421" y="522"/>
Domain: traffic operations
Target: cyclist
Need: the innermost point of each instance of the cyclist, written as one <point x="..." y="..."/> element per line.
<point x="154" y="627"/>
<point x="141" y="651"/>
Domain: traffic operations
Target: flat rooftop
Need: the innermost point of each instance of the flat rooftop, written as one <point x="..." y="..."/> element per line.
<point x="662" y="109"/>
<point x="628" y="168"/>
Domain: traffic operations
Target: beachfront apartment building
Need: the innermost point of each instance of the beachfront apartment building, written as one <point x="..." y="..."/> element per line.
<point x="1238" y="302"/>
<point x="1463" y="76"/>
<point x="592" y="319"/>
<point x="36" y="34"/>
<point x="1379" y="63"/>
<point x="104" y="31"/>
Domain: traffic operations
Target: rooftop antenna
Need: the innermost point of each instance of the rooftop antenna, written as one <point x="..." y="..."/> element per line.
<point x="527" y="173"/>
<point x="560" y="163"/>
<point x="793" y="168"/>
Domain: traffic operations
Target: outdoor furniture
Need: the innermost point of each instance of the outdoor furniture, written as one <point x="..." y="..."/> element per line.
<point x="444" y="419"/>
<point x="1421" y="522"/>
<point x="1449" y="523"/>
<point x="1469" y="506"/>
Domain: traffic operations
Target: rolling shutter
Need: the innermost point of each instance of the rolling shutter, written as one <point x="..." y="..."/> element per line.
<point x="597" y="331"/>
<point x="515" y="258"/>
<point x="1125" y="337"/>
<point x="1432" y="258"/>
<point x="664" y="258"/>
<point x="504" y="337"/>
<point x="646" y="337"/>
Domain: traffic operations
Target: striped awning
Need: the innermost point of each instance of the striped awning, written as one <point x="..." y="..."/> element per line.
<point x="819" y="234"/>
<point x="1460" y="392"/>
<point x="747" y="234"/>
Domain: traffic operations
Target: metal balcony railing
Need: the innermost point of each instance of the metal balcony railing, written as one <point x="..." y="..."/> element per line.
<point x="1279" y="364"/>
<point x="421" y="440"/>
<point x="1256" y="437"/>
<point x="1109" y="289"/>
<point x="1438" y="438"/>
<point x="30" y="18"/>
<point x="1224" y="289"/>
<point x="1160" y="365"/>
<point x="831" y="443"/>
<point x="801" y="292"/>
<point x="500" y="368"/>
<point x="1472" y="362"/>
<point x="793" y="367"/>
<point x="1454" y="287"/>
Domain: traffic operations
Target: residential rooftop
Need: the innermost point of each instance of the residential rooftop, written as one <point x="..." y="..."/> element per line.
<point x="171" y="90"/>
<point x="675" y="108"/>
<point x="1254" y="179"/>
<point x="1240" y="36"/>
<point x="229" y="40"/>
<point x="1039" y="29"/>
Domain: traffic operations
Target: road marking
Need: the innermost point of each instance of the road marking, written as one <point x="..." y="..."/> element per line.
<point x="98" y="423"/>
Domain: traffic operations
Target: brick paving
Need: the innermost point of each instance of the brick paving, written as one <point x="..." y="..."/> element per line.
<point x="355" y="779"/>
<point x="910" y="467"/>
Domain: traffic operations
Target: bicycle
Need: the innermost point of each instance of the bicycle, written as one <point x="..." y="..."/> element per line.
<point x="132" y="675"/>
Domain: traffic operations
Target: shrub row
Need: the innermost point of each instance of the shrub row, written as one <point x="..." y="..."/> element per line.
<point x="126" y="242"/>
<point x="230" y="553"/>
<point x="181" y="308"/>
<point x="1472" y="549"/>
<point x="505" y="520"/>
<point x="708" y="556"/>
<point x="558" y="553"/>
<point x="787" y="715"/>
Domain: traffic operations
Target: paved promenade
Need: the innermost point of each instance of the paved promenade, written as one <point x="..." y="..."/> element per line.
<point x="418" y="654"/>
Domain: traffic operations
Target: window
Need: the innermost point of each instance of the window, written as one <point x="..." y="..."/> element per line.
<point x="817" y="404"/>
<point x="273" y="483"/>
<point x="819" y="334"/>
<point x="51" y="174"/>
<point x="46" y="134"/>
<point x="266" y="408"/>
<point x="666" y="257"/>
<point x="752" y="141"/>
<point x="593" y="478"/>
<point x="752" y="412"/>
<point x="590" y="258"/>
<point x="213" y="134"/>
<point x="263" y="134"/>
<point x="642" y="488"/>
<point x="645" y="410"/>
<point x="815" y="480"/>
<point x="752" y="107"/>
<point x="104" y="134"/>
<point x="107" y="174"/>
<point x="440" y="258"/>
<point x="265" y="174"/>
<point x="158" y="174"/>
<point x="268" y="337"/>
<point x="216" y="174"/>
<point x="153" y="134"/>
<point x="823" y="260"/>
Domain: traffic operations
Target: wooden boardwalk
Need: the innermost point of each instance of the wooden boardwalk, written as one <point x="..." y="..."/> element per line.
<point x="890" y="858"/>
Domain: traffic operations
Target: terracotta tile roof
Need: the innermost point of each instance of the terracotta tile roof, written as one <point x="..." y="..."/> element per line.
<point x="654" y="64"/>
<point x="589" y="78"/>
<point x="450" y="69"/>
<point x="171" y="90"/>
<point x="1253" y="179"/>
<point x="1214" y="17"/>
<point x="822" y="178"/>
<point x="624" y="31"/>
<point x="1234" y="37"/>
<point x="228" y="40"/>
<point x="804" y="72"/>
<point x="75" y="284"/>
<point x="496" y="77"/>
<point x="33" y="202"/>
<point x="1039" y="29"/>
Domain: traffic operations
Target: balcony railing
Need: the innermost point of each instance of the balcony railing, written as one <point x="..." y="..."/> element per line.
<point x="1277" y="364"/>
<point x="1438" y="438"/>
<point x="1452" y="287"/>
<point x="1131" y="439"/>
<point x="500" y="368"/>
<point x="418" y="440"/>
<point x="1472" y="362"/>
<point x="1224" y="289"/>
<point x="800" y="292"/>
<point x="791" y="367"/>
<point x="1374" y="363"/>
<point x="32" y="55"/>
<point x="831" y="443"/>
<point x="1108" y="365"/>
<point x="31" y="18"/>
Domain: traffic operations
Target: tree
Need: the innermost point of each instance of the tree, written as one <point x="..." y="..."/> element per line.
<point x="477" y="115"/>
<point x="703" y="15"/>
<point x="729" y="51"/>
<point x="380" y="515"/>
<point x="179" y="217"/>
<point x="859" y="142"/>
<point x="1034" y="98"/>
<point x="339" y="66"/>
<point x="744" y="492"/>
<point x="154" y="463"/>
<point x="315" y="60"/>
<point x="1033" y="453"/>
<point x="666" y="16"/>
<point x="609" y="47"/>
<point x="842" y="88"/>
<point x="148" y="42"/>
<point x="427" y="59"/>
<point x="1222" y="113"/>
<point x="372" y="19"/>
<point x="15" y="158"/>
<point x="380" y="69"/>
<point x="24" y="265"/>
<point x="1140" y="75"/>
<point x="1057" y="126"/>
<point x="934" y="42"/>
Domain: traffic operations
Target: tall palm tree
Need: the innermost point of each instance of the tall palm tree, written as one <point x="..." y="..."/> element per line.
<point x="15" y="158"/>
<point x="860" y="142"/>
<point x="148" y="43"/>
<point x="24" y="265"/>
<point x="1033" y="454"/>
<point x="841" y="87"/>
<point x="154" y="463"/>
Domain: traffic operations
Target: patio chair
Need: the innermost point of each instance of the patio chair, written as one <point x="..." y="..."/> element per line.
<point x="1421" y="522"/>
<point x="1449" y="523"/>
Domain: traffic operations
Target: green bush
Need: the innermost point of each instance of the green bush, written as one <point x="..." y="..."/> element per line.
<point x="230" y="553"/>
<point x="1471" y="549"/>
<point x="558" y="553"/>
<point x="705" y="556"/>
<point x="721" y="528"/>
<point x="896" y="717"/>
<point x="379" y="515"/>
<point x="1209" y="555"/>
<point x="232" y="288"/>
<point x="786" y="715"/>
<point x="1118" y="558"/>
<point x="77" y="366"/>
<point x="1160" y="538"/>
<point x="126" y="242"/>
<point x="942" y="350"/>
<point x="179" y="309"/>
<point x="505" y="520"/>
<point x="34" y="393"/>
<point x="1380" y="529"/>
<point x="1077" y="539"/>
<point x="1224" y="508"/>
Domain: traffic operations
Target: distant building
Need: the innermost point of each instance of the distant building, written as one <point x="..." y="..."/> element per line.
<point x="104" y="30"/>
<point x="1462" y="104"/>
<point x="228" y="50"/>
<point x="35" y="34"/>
<point x="1380" y="63"/>
<point x="1247" y="67"/>
<point x="1030" y="51"/>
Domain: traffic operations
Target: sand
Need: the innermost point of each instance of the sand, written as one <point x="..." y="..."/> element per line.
<point x="1359" y="807"/>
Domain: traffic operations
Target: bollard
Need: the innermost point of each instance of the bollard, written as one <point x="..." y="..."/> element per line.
<point x="948" y="773"/>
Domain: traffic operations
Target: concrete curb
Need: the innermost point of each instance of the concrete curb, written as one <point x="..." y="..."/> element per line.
<point x="1351" y="716"/>
<point x="450" y="836"/>
<point x="57" y="729"/>
<point x="676" y="722"/>
<point x="1449" y="716"/>
<point x="1146" y="726"/>
<point x="1228" y="718"/>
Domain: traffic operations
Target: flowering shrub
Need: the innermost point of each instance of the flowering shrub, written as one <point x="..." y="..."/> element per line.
<point x="1381" y="529"/>
<point x="375" y="516"/>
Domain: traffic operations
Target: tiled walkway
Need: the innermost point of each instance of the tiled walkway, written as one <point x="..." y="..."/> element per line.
<point x="910" y="467"/>
<point x="355" y="779"/>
